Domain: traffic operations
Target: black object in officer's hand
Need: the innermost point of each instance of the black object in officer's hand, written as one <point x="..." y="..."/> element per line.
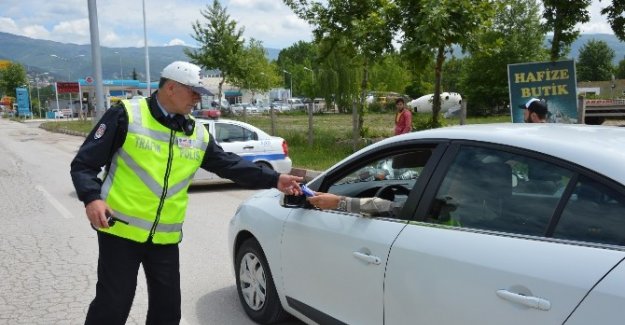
<point x="109" y="219"/>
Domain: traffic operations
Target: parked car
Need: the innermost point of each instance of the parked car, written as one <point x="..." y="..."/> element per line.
<point x="494" y="224"/>
<point x="239" y="108"/>
<point x="247" y="141"/>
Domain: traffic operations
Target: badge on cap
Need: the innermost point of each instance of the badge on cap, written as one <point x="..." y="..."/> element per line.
<point x="100" y="131"/>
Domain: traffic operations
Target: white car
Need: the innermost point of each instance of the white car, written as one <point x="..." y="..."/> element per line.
<point x="493" y="224"/>
<point x="249" y="142"/>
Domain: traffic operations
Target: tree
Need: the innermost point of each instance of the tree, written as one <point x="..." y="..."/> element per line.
<point x="390" y="74"/>
<point x="620" y="70"/>
<point x="12" y="76"/>
<point x="515" y="37"/>
<point x="595" y="61"/>
<point x="431" y="27"/>
<point x="221" y="43"/>
<point x="255" y="72"/>
<point x="297" y="59"/>
<point x="338" y="75"/>
<point x="561" y="17"/>
<point x="365" y="25"/>
<point x="616" y="18"/>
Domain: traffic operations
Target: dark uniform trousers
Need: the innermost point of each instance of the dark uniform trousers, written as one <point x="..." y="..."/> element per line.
<point x="118" y="265"/>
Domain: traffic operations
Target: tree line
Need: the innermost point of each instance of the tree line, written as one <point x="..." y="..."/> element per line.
<point x="405" y="46"/>
<point x="409" y="47"/>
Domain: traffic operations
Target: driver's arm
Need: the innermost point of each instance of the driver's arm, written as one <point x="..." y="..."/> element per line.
<point x="373" y="206"/>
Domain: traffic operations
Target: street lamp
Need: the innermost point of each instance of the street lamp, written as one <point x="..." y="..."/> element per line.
<point x="69" y="75"/>
<point x="121" y="69"/>
<point x="312" y="81"/>
<point x="37" y="84"/>
<point x="291" y="88"/>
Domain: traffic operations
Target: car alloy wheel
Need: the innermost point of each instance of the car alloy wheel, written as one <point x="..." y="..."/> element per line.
<point x="253" y="281"/>
<point x="255" y="286"/>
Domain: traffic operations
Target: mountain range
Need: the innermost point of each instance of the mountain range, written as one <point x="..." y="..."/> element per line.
<point x="73" y="61"/>
<point x="66" y="61"/>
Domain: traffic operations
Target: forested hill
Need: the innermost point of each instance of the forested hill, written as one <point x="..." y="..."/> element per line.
<point x="65" y="59"/>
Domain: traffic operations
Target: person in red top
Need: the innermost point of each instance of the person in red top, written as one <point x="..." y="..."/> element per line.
<point x="403" y="117"/>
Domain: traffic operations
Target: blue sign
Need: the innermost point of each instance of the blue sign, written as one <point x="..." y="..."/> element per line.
<point x="553" y="82"/>
<point x="23" y="102"/>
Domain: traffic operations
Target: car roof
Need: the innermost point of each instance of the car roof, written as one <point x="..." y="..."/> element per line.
<point x="235" y="122"/>
<point x="599" y="148"/>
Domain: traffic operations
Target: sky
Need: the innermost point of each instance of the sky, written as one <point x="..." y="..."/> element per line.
<point x="170" y="22"/>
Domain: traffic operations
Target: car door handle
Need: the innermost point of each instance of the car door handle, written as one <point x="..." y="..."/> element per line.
<point x="371" y="259"/>
<point x="529" y="301"/>
<point x="248" y="147"/>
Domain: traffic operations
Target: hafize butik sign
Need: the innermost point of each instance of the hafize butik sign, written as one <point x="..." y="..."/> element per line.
<point x="553" y="82"/>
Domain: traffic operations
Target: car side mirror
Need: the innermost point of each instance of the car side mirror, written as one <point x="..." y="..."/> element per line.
<point x="294" y="201"/>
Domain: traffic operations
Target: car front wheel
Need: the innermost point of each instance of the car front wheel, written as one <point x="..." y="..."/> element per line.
<point x="255" y="286"/>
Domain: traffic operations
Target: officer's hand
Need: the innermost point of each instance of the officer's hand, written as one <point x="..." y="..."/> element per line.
<point x="96" y="213"/>
<point x="289" y="184"/>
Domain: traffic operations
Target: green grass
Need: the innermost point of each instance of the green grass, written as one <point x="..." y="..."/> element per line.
<point x="331" y="134"/>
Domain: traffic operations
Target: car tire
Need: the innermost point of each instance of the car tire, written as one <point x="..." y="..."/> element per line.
<point x="255" y="285"/>
<point x="260" y="163"/>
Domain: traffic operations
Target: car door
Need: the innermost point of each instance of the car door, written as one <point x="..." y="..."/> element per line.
<point x="479" y="251"/>
<point x="335" y="261"/>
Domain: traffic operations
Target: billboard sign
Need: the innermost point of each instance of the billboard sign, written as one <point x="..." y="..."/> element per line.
<point x="67" y="87"/>
<point x="553" y="82"/>
<point x="23" y="102"/>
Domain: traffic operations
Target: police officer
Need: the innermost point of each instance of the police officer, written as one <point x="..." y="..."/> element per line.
<point x="151" y="148"/>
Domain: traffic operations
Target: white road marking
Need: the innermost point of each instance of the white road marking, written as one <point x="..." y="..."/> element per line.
<point x="55" y="203"/>
<point x="182" y="321"/>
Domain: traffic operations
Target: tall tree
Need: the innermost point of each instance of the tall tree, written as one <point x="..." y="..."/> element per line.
<point x="390" y="74"/>
<point x="338" y="75"/>
<point x="221" y="43"/>
<point x="616" y="17"/>
<point x="431" y="27"/>
<point x="366" y="25"/>
<point x="595" y="61"/>
<point x="255" y="72"/>
<point x="12" y="76"/>
<point x="516" y="36"/>
<point x="298" y="60"/>
<point x="561" y="17"/>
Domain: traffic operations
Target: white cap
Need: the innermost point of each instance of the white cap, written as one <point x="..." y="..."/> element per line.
<point x="187" y="74"/>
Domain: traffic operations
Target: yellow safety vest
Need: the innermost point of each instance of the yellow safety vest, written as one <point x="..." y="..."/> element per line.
<point x="146" y="185"/>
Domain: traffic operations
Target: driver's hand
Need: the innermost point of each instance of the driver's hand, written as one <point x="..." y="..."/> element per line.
<point x="324" y="200"/>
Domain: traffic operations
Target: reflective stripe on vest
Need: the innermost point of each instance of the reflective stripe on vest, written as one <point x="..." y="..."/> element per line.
<point x="148" y="177"/>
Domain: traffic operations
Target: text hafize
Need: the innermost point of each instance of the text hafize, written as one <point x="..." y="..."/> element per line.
<point x="542" y="76"/>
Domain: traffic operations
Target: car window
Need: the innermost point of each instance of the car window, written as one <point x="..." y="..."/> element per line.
<point x="233" y="133"/>
<point x="594" y="213"/>
<point x="497" y="190"/>
<point x="390" y="177"/>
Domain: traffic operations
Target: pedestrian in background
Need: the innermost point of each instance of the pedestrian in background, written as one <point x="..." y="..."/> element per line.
<point x="535" y="111"/>
<point x="151" y="148"/>
<point x="403" y="117"/>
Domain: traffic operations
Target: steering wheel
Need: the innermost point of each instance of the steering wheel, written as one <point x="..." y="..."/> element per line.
<point x="388" y="192"/>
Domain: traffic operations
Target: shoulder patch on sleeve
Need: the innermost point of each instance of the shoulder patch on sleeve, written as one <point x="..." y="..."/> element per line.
<point x="100" y="131"/>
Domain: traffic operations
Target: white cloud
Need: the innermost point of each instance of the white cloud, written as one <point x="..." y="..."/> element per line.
<point x="35" y="31"/>
<point x="175" y="41"/>
<point x="8" y="25"/>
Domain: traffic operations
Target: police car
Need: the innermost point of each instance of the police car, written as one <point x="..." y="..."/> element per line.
<point x="245" y="140"/>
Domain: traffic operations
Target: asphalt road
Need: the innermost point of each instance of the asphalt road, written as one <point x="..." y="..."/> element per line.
<point x="48" y="252"/>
